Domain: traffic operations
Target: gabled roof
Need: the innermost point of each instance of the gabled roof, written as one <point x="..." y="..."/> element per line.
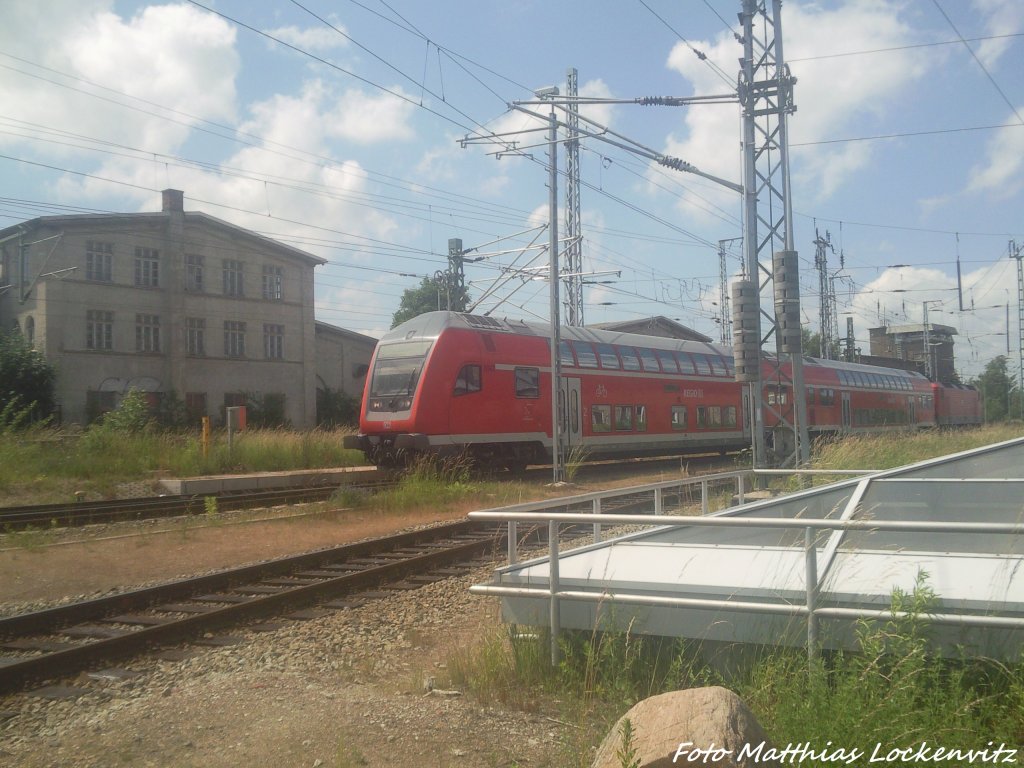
<point x="658" y="325"/>
<point x="127" y="219"/>
<point x="322" y="327"/>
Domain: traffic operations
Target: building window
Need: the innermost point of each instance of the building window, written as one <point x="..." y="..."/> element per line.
<point x="99" y="258"/>
<point x="273" y="341"/>
<point x="195" y="405"/>
<point x="234" y="338"/>
<point x="147" y="333"/>
<point x="99" y="329"/>
<point x="233" y="285"/>
<point x="147" y="267"/>
<point x="195" y="336"/>
<point x="194" y="272"/>
<point x="273" y="280"/>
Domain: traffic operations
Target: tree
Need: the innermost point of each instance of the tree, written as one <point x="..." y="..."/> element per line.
<point x="811" y="343"/>
<point x="1000" y="394"/>
<point x="432" y="294"/>
<point x="26" y="376"/>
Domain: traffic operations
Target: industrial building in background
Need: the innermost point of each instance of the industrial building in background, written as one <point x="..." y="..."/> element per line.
<point x="173" y="302"/>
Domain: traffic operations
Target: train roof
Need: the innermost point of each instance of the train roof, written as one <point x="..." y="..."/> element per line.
<point x="430" y="325"/>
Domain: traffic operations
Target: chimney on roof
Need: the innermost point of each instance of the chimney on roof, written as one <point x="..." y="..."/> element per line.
<point x="174" y="201"/>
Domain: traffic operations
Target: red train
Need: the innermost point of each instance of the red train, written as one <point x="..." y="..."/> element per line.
<point x="446" y="383"/>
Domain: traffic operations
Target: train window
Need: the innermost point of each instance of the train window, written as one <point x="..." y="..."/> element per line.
<point x="876" y="381"/>
<point x="630" y="361"/>
<point x="810" y="395"/>
<point x="565" y="354"/>
<point x="842" y="378"/>
<point x="585" y="354"/>
<point x="717" y="366"/>
<point x="606" y="352"/>
<point x="730" y="367"/>
<point x="678" y="417"/>
<point x="668" y="361"/>
<point x="650" y="362"/>
<point x="709" y="416"/>
<point x="600" y="418"/>
<point x="624" y="418"/>
<point x="641" y="418"/>
<point x="827" y="397"/>
<point x="729" y="416"/>
<point x="574" y="412"/>
<point x="685" y="363"/>
<point x="527" y="382"/>
<point x="703" y="365"/>
<point x="467" y="381"/>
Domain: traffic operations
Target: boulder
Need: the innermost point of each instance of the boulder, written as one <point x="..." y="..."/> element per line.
<point x="719" y="727"/>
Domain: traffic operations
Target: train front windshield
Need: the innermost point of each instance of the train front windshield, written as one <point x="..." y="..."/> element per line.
<point x="398" y="368"/>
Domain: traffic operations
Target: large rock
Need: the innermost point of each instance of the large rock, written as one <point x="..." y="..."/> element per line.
<point x="719" y="727"/>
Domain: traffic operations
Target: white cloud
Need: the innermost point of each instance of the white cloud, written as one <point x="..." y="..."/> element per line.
<point x="1002" y="173"/>
<point x="1002" y="17"/>
<point x="159" y="56"/>
<point x="366" y="119"/>
<point x="312" y="39"/>
<point x="832" y="95"/>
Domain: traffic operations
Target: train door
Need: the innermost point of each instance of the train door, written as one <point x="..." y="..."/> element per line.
<point x="571" y="411"/>
<point x="745" y="408"/>
<point x="847" y="420"/>
<point x="912" y="402"/>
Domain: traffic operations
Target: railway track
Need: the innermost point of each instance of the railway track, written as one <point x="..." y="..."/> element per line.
<point x="118" y="510"/>
<point x="67" y="640"/>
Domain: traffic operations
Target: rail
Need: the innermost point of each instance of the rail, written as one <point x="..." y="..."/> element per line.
<point x="539" y="512"/>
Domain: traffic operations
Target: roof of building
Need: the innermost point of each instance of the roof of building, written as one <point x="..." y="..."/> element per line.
<point x="658" y="325"/>
<point x="322" y="327"/>
<point x="892" y="330"/>
<point x="156" y="217"/>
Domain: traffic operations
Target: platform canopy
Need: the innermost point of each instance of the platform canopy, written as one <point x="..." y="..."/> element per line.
<point x="974" y="573"/>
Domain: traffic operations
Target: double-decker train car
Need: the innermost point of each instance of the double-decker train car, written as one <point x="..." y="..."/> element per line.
<point x="956" y="405"/>
<point x="446" y="383"/>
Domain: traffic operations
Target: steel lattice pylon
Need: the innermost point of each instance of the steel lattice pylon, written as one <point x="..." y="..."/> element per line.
<point x="573" y="250"/>
<point x="766" y="94"/>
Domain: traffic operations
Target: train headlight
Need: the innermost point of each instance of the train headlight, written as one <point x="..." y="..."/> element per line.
<point x="404" y="404"/>
<point x="376" y="405"/>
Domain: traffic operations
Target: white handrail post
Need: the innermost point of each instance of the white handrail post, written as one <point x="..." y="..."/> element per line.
<point x="658" y="502"/>
<point x="811" y="559"/>
<point x="703" y="497"/>
<point x="740" y="486"/>
<point x="553" y="609"/>
<point x="597" y="526"/>
<point x="513" y="542"/>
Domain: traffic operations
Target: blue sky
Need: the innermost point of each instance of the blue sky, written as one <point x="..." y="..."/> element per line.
<point x="337" y="130"/>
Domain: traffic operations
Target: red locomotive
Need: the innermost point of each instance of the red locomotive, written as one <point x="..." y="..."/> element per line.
<point x="445" y="383"/>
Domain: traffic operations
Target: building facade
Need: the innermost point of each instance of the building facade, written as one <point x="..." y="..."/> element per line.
<point x="165" y="302"/>
<point x="929" y="349"/>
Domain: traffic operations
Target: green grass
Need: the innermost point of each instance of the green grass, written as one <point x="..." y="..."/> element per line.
<point x="42" y="465"/>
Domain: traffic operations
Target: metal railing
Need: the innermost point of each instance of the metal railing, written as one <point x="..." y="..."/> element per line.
<point x="540" y="512"/>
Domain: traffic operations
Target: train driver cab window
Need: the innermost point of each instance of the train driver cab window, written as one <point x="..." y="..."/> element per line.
<point x="600" y="418"/>
<point x="624" y="418"/>
<point x="528" y="382"/>
<point x="678" y="417"/>
<point x="606" y="352"/>
<point x="585" y="354"/>
<point x="467" y="381"/>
